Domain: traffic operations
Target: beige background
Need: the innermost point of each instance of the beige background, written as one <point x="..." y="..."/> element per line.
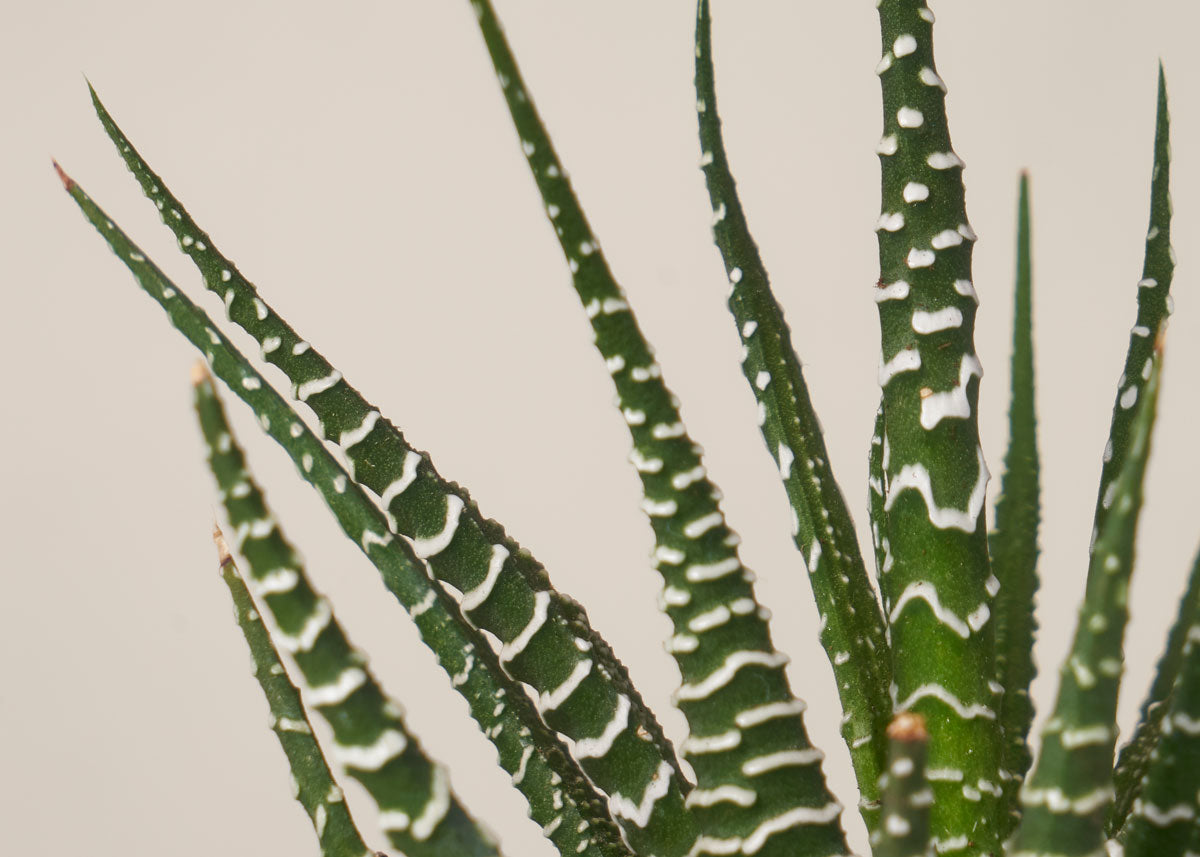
<point x="363" y="158"/>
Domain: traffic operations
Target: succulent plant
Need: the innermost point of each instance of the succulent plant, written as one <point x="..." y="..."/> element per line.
<point x="932" y="653"/>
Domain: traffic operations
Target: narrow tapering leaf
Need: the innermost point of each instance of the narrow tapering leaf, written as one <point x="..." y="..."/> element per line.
<point x="370" y="739"/>
<point x="1014" y="543"/>
<point x="853" y="629"/>
<point x="314" y="785"/>
<point x="906" y="796"/>
<point x="759" y="783"/>
<point x="1153" y="308"/>
<point x="561" y="798"/>
<point x="1162" y="820"/>
<point x="547" y="640"/>
<point x="1135" y="755"/>
<point x="876" y="498"/>
<point x="940" y="587"/>
<point x="1067" y="797"/>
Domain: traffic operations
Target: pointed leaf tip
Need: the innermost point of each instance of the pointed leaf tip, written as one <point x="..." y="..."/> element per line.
<point x="908" y="726"/>
<point x="224" y="557"/>
<point x="67" y="182"/>
<point x="200" y="373"/>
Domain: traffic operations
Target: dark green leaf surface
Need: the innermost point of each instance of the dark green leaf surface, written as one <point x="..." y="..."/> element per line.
<point x="939" y="588"/>
<point x="313" y="783"/>
<point x="852" y="631"/>
<point x="561" y="798"/>
<point x="1014" y="543"/>
<point x="1134" y="759"/>
<point x="759" y="783"/>
<point x="547" y="640"/>
<point x="1067" y="798"/>
<point x="1153" y="308"/>
<point x="417" y="809"/>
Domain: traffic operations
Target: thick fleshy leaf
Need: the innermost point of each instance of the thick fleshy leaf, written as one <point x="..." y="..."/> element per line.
<point x="1067" y="797"/>
<point x="561" y="797"/>
<point x="315" y="787"/>
<point x="759" y="782"/>
<point x="906" y="796"/>
<point x="940" y="588"/>
<point x="852" y="632"/>
<point x="1014" y="543"/>
<point x="1153" y="308"/>
<point x="1134" y="759"/>
<point x="546" y="637"/>
<point x="417" y="809"/>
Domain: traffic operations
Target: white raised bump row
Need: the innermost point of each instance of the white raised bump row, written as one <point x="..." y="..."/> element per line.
<point x="722" y="742"/>
<point x="371" y="757"/>
<point x="929" y="77"/>
<point x="306" y="637"/>
<point x="967" y="711"/>
<point x="1059" y="803"/>
<point x="408" y="475"/>
<point x="438" y="542"/>
<point x="552" y="699"/>
<point x="925" y="322"/>
<point x="916" y="477"/>
<point x="739" y="795"/>
<point x="435" y="808"/>
<point x="925" y="590"/>
<point x="595" y="748"/>
<point x="726" y="672"/>
<point x="918" y="258"/>
<point x="951" y="403"/>
<point x="639" y="813"/>
<point x="915" y="192"/>
<point x="706" y="621"/>
<point x="905" y="360"/>
<point x="355" y="436"/>
<point x="308" y="389"/>
<point x="800" y="816"/>
<point x="910" y="117"/>
<point x="472" y="598"/>
<point x="537" y="618"/>
<point x="689" y="477"/>
<point x="944" y="160"/>
<point x="339" y="690"/>
<point x="945" y="239"/>
<point x="699" y="526"/>
<point x="897" y="291"/>
<point x="701" y="572"/>
<point x="643" y="464"/>
<point x="769" y="711"/>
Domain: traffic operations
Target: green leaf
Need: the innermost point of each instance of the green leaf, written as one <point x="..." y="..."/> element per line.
<point x="561" y="798"/>
<point x="419" y="812"/>
<point x="853" y="633"/>
<point x="1066" y="800"/>
<point x="506" y="592"/>
<point x="1153" y="308"/>
<point x="1014" y="543"/>
<point x="939" y="589"/>
<point x="906" y="796"/>
<point x="314" y="785"/>
<point x="1134" y="759"/>
<point x="758" y="777"/>
<point x="1162" y="821"/>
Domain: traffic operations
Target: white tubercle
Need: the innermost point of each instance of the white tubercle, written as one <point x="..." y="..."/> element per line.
<point x="967" y="289"/>
<point x="472" y="598"/>
<point x="725" y="673"/>
<point x="721" y="794"/>
<point x="769" y="711"/>
<point x="890" y="222"/>
<point x="929" y="77"/>
<point x="358" y="435"/>
<point x="910" y="117"/>
<point x="338" y="691"/>
<point x="915" y="192"/>
<point x="946" y="238"/>
<point x="904" y="45"/>
<point x="932" y="322"/>
<point x="594" y="748"/>
<point x="889" y="145"/>
<point x="897" y="291"/>
<point x="918" y="258"/>
<point x="319" y="385"/>
<point x="553" y="699"/>
<point x="783" y="759"/>
<point x="371" y="757"/>
<point x="312" y="628"/>
<point x="698" y="745"/>
<point x="709" y="619"/>
<point x="944" y="161"/>
<point x="699" y="572"/>
<point x="408" y="474"/>
<point x="786" y="459"/>
<point x="916" y="477"/>
<point x="951" y="403"/>
<point x="688" y="477"/>
<point x="1059" y="803"/>
<point x="885" y="62"/>
<point x="698" y="527"/>
<point x="659" y="508"/>
<point x="936" y="691"/>
<point x="907" y="360"/>
<point x="925" y="591"/>
<point x="435" y="809"/>
<point x="541" y="611"/>
<point x="801" y="815"/>
<point x="639" y="813"/>
<point x="435" y="544"/>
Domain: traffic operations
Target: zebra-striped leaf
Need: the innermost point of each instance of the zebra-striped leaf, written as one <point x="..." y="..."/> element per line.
<point x="561" y="798"/>
<point x="315" y="787"/>
<point x="906" y="796"/>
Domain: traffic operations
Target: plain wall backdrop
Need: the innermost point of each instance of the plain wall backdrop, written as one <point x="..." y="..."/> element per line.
<point x="360" y="167"/>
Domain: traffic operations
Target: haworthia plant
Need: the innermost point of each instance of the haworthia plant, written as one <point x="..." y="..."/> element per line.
<point x="932" y="655"/>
